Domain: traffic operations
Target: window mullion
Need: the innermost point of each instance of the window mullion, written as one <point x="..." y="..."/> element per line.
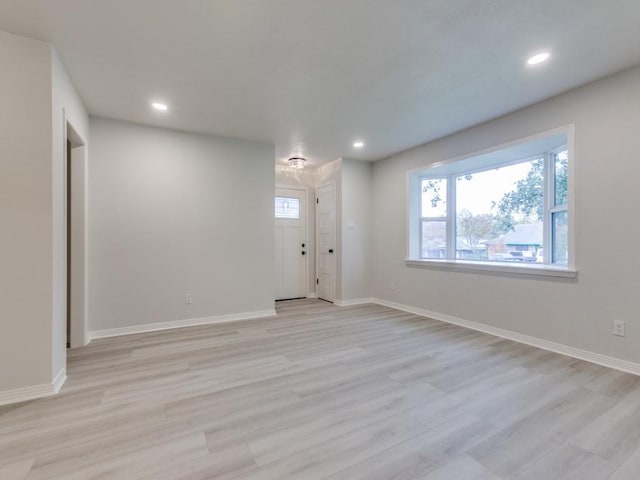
<point x="548" y="200"/>
<point x="560" y="208"/>
<point x="451" y="217"/>
<point x="420" y="229"/>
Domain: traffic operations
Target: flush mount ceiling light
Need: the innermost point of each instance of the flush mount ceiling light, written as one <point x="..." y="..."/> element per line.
<point x="297" y="162"/>
<point x="358" y="144"/>
<point x="539" y="58"/>
<point x="161" y="107"/>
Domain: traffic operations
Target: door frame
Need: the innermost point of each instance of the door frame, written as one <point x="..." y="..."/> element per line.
<point x="335" y="236"/>
<point x="305" y="196"/>
<point x="76" y="279"/>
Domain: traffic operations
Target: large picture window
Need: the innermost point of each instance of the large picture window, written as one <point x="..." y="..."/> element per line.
<point x="508" y="206"/>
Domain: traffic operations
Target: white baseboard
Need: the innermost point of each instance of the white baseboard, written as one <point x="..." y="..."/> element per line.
<point x="352" y="302"/>
<point x="190" y="322"/>
<point x="35" y="391"/>
<point x="312" y="295"/>
<point x="597" y="358"/>
<point x="58" y="382"/>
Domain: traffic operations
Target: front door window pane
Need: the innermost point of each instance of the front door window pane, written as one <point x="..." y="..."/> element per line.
<point x="287" y="207"/>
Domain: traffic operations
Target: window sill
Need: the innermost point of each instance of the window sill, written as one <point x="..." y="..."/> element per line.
<point x="474" y="266"/>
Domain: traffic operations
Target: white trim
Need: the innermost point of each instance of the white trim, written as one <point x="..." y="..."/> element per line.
<point x="597" y="358"/>
<point x="190" y="322"/>
<point x="352" y="302"/>
<point x="568" y="129"/>
<point x="26" y="393"/>
<point x="312" y="295"/>
<point x="548" y="200"/>
<point x="513" y="268"/>
<point x="35" y="391"/>
<point x="59" y="380"/>
<point x="571" y="195"/>
<point x="78" y="322"/>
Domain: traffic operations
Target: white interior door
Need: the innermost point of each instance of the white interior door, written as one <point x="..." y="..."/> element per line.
<point x="326" y="228"/>
<point x="291" y="243"/>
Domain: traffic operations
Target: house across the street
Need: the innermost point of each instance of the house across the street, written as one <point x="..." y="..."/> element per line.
<point x="522" y="244"/>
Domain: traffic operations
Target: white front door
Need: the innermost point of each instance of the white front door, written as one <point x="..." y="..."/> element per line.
<point x="291" y="243"/>
<point x="326" y="227"/>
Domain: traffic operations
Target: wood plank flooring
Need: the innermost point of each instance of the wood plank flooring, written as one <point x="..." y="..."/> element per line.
<point x="323" y="392"/>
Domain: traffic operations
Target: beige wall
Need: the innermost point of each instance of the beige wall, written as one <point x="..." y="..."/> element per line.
<point x="172" y="213"/>
<point x="35" y="92"/>
<point x="25" y="213"/>
<point x="577" y="313"/>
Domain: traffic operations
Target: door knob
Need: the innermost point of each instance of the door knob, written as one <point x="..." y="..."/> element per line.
<point x="331" y="250"/>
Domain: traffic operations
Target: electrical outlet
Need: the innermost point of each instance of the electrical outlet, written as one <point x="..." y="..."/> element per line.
<point x="188" y="299"/>
<point x="392" y="284"/>
<point x="619" y="328"/>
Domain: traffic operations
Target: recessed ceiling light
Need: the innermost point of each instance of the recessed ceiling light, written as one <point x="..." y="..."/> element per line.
<point x="539" y="58"/>
<point x="358" y="144"/>
<point x="161" y="107"/>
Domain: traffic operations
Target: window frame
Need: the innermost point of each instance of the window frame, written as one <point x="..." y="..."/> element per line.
<point x="416" y="176"/>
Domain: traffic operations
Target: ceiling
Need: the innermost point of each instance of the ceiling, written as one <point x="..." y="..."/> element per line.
<point x="313" y="76"/>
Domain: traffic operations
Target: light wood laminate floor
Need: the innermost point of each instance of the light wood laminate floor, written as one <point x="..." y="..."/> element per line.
<point x="323" y="392"/>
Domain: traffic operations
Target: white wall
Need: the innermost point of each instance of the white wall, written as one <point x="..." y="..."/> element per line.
<point x="25" y="213"/>
<point x="355" y="228"/>
<point x="172" y="213"/>
<point x="578" y="312"/>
